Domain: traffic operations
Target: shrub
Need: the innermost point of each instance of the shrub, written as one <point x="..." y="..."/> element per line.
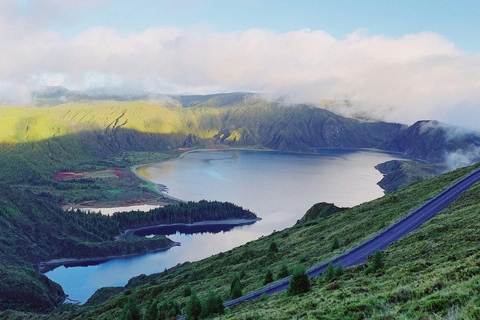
<point x="377" y="263"/>
<point x="131" y="310"/>
<point x="194" y="307"/>
<point x="299" y="283"/>
<point x="235" y="288"/>
<point x="273" y="247"/>
<point x="335" y="244"/>
<point x="329" y="273"/>
<point x="187" y="291"/>
<point x="338" y="272"/>
<point x="152" y="311"/>
<point x="268" y="278"/>
<point x="213" y="305"/>
<point x="283" y="273"/>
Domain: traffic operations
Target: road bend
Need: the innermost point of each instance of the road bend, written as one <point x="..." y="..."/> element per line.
<point x="381" y="240"/>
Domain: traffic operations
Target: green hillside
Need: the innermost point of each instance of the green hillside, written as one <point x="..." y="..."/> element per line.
<point x="33" y="230"/>
<point x="434" y="272"/>
<point x="44" y="141"/>
<point x="37" y="143"/>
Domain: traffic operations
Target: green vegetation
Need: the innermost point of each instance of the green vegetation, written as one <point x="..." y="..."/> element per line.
<point x="273" y="247"/>
<point x="283" y="273"/>
<point x="194" y="307"/>
<point x="235" y="288"/>
<point x="268" y="278"/>
<point x="335" y="244"/>
<point x="399" y="174"/>
<point x="183" y="212"/>
<point x="299" y="283"/>
<point x="432" y="271"/>
<point x="376" y="264"/>
<point x="35" y="230"/>
<point x="435" y="269"/>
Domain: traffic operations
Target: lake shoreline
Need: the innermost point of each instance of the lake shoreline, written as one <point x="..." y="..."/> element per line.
<point x="161" y="188"/>
<point x="234" y="222"/>
<point x="47" y="266"/>
<point x="50" y="265"/>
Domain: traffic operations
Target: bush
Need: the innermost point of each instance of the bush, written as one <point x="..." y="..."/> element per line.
<point x="329" y="273"/>
<point x="213" y="305"/>
<point x="338" y="272"/>
<point x="194" y="307"/>
<point x="268" y="278"/>
<point x="273" y="247"/>
<point x="168" y="309"/>
<point x="335" y="244"/>
<point x="235" y="288"/>
<point x="299" y="283"/>
<point x="131" y="310"/>
<point x="283" y="273"/>
<point x="377" y="263"/>
<point x="152" y="311"/>
<point x="187" y="292"/>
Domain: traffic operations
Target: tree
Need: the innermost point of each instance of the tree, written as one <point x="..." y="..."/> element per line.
<point x="131" y="310"/>
<point x="194" y="307"/>
<point x="335" y="244"/>
<point x="329" y="273"/>
<point x="152" y="311"/>
<point x="235" y="288"/>
<point x="377" y="262"/>
<point x="338" y="272"/>
<point x="273" y="247"/>
<point x="283" y="273"/>
<point x="127" y="315"/>
<point x="299" y="283"/>
<point x="268" y="278"/>
<point x="187" y="291"/>
<point x="213" y="305"/>
<point x="242" y="274"/>
<point x="168" y="309"/>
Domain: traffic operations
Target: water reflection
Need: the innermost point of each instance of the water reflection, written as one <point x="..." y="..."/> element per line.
<point x="168" y="230"/>
<point x="278" y="187"/>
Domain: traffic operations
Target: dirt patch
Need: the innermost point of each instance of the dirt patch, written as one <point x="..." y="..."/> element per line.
<point x="125" y="190"/>
<point x="96" y="174"/>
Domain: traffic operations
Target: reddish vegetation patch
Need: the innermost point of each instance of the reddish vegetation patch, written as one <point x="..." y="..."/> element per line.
<point x="103" y="173"/>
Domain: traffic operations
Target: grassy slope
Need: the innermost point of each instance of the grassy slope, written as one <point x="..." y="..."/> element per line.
<point x="44" y="140"/>
<point x="429" y="273"/>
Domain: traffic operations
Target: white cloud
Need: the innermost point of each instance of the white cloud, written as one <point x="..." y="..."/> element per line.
<point x="417" y="76"/>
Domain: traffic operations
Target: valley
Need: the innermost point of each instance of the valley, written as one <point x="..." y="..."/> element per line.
<point x="78" y="155"/>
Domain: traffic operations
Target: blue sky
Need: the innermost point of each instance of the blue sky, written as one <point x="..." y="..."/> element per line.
<point x="394" y="60"/>
<point x="455" y="20"/>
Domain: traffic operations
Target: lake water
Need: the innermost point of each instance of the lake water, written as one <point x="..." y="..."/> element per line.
<point x="278" y="187"/>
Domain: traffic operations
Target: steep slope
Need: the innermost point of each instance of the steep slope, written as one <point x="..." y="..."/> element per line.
<point x="33" y="230"/>
<point x="432" y="271"/>
<point x="434" y="141"/>
<point x="47" y="140"/>
<point x="399" y="174"/>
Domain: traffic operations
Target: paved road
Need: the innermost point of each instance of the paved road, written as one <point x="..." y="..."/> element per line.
<point x="381" y="240"/>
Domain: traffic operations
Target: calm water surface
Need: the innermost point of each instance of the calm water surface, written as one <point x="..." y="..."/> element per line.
<point x="278" y="187"/>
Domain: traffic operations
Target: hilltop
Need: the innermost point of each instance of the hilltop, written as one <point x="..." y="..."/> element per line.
<point x="44" y="141"/>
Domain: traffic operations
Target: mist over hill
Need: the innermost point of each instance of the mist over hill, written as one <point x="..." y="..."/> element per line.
<point x="160" y="121"/>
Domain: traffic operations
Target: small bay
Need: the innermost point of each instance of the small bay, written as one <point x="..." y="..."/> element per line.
<point x="278" y="187"/>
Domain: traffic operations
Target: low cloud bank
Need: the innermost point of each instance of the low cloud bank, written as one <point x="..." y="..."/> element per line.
<point x="416" y="76"/>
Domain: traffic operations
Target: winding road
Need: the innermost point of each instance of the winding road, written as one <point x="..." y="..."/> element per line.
<point x="381" y="240"/>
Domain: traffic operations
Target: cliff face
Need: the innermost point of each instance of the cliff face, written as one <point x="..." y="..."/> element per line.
<point x="434" y="142"/>
<point x="399" y="174"/>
